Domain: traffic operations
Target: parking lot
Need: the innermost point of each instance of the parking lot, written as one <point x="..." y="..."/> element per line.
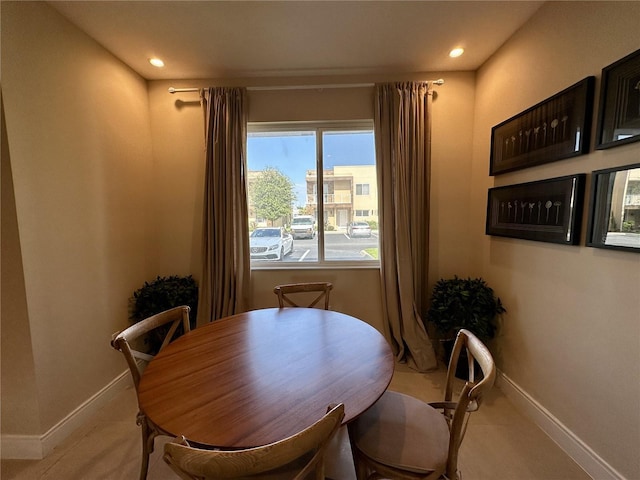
<point x="338" y="247"/>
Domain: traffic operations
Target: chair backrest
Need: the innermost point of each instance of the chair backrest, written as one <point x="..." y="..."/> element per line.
<point x="472" y="393"/>
<point x="123" y="340"/>
<point x="302" y="291"/>
<point x="197" y="463"/>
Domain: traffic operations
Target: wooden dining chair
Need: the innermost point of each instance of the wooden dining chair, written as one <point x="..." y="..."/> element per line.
<point x="127" y="341"/>
<point x="292" y="294"/>
<point x="294" y="458"/>
<point x="401" y="437"/>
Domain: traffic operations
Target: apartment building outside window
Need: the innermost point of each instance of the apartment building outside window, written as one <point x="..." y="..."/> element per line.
<point x="286" y="163"/>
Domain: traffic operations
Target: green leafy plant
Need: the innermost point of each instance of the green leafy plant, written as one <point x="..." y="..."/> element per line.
<point x="162" y="294"/>
<point x="458" y="303"/>
<point x="272" y="194"/>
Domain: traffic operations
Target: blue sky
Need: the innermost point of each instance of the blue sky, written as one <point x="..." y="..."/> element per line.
<point x="294" y="154"/>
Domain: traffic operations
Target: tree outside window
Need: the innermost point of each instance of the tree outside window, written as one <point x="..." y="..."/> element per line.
<point x="272" y="195"/>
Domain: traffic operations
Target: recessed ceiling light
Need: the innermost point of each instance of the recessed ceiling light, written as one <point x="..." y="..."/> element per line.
<point x="156" y="62"/>
<point x="456" y="52"/>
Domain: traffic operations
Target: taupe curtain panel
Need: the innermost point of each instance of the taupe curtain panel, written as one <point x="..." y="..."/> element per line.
<point x="224" y="284"/>
<point x="403" y="157"/>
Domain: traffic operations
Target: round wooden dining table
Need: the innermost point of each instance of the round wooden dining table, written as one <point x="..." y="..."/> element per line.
<point x="261" y="376"/>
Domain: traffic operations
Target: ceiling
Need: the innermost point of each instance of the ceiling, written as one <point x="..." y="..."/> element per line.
<point x="234" y="39"/>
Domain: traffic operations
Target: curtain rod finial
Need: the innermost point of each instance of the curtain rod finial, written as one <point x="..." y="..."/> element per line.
<point x="440" y="81"/>
<point x="172" y="90"/>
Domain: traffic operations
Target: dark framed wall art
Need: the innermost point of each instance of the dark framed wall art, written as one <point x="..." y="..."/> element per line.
<point x="614" y="209"/>
<point x="545" y="210"/>
<point x="619" y="110"/>
<point x="556" y="128"/>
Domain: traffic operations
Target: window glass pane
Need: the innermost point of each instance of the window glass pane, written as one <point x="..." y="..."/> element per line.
<point x="337" y="223"/>
<point x="349" y="170"/>
<point x="362" y="189"/>
<point x="277" y="166"/>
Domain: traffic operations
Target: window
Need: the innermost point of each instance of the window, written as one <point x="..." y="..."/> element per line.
<point x="285" y="165"/>
<point x="362" y="189"/>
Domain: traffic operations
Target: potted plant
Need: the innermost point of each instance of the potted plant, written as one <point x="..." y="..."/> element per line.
<point x="162" y="294"/>
<point x="458" y="303"/>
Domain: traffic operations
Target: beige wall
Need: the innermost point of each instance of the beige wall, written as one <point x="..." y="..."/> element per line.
<point x="79" y="141"/>
<point x="571" y="338"/>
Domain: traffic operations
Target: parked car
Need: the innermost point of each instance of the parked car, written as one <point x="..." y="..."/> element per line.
<point x="270" y="243"/>
<point x="303" y="226"/>
<point x="359" y="229"/>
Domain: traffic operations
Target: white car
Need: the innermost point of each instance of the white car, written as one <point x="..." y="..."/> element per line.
<point x="270" y="243"/>
<point x="359" y="229"/>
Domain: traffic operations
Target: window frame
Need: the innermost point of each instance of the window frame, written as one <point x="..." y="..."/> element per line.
<point x="319" y="128"/>
<point x="362" y="185"/>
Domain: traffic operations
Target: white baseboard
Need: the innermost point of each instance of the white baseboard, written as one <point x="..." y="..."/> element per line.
<point x="21" y="447"/>
<point x="594" y="465"/>
<point x="36" y="447"/>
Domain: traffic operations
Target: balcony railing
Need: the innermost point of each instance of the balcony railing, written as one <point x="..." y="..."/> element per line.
<point x="331" y="198"/>
<point x="632" y="200"/>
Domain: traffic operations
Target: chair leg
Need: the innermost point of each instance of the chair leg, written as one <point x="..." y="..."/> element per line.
<point x="147" y="444"/>
<point x="145" y="457"/>
<point x="359" y="466"/>
<point x="362" y="472"/>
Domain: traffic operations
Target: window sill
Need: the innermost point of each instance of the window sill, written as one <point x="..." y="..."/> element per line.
<point x="361" y="265"/>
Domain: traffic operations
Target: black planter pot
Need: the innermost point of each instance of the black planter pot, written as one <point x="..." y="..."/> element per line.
<point x="462" y="369"/>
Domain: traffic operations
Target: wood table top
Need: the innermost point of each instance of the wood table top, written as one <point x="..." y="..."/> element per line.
<point x="261" y="376"/>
